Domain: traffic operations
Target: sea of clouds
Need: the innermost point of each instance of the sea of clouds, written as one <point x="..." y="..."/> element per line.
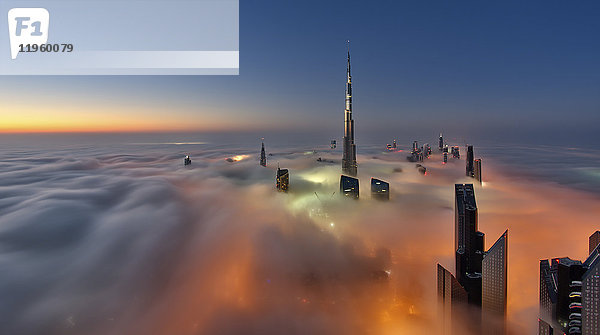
<point x="124" y="239"/>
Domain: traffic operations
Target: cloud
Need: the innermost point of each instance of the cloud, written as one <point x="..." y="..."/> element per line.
<point x="105" y="242"/>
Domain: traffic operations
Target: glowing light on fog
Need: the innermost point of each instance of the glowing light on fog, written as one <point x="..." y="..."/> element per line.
<point x="316" y="177"/>
<point x="237" y="158"/>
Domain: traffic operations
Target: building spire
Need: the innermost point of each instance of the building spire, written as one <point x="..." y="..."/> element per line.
<point x="349" y="165"/>
<point x="348" y="69"/>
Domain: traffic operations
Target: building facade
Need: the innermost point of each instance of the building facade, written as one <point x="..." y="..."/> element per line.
<point x="349" y="187"/>
<point x="282" y="180"/>
<point x="494" y="279"/>
<point x="263" y="155"/>
<point x="594" y="241"/>
<point x="470" y="169"/>
<point x="452" y="299"/>
<point x="570" y="295"/>
<point x="590" y="295"/>
<point x="380" y="190"/>
<point x="477" y="170"/>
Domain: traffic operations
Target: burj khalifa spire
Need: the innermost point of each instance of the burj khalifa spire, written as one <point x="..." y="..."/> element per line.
<point x="349" y="158"/>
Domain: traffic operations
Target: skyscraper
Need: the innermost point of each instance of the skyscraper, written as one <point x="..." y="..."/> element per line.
<point x="568" y="311"/>
<point x="349" y="187"/>
<point x="282" y="179"/>
<point x="477" y="170"/>
<point x="452" y="298"/>
<point x="493" y="287"/>
<point x="594" y="241"/>
<point x="263" y="156"/>
<point x="380" y="189"/>
<point x="548" y="295"/>
<point x="570" y="295"/>
<point x="441" y="142"/>
<point x="469" y="242"/>
<point x="482" y="276"/>
<point x="470" y="168"/>
<point x="349" y="165"/>
<point x="590" y="294"/>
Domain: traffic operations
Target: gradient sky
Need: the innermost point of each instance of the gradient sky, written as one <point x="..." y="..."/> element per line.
<point x="503" y="68"/>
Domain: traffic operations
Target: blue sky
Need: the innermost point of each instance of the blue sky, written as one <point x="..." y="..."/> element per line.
<point x="469" y="66"/>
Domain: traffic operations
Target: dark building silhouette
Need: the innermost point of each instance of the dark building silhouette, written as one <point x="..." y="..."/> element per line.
<point x="380" y="189"/>
<point x="452" y="299"/>
<point x="349" y="187"/>
<point x="568" y="307"/>
<point x="470" y="167"/>
<point x="455" y="152"/>
<point x="282" y="180"/>
<point x="548" y="293"/>
<point x="445" y="158"/>
<point x="469" y="242"/>
<point x="441" y="142"/>
<point x="426" y="150"/>
<point x="263" y="156"/>
<point x="570" y="295"/>
<point x="187" y="160"/>
<point x="349" y="165"/>
<point x="494" y="279"/>
<point x="594" y="241"/>
<point x="482" y="276"/>
<point x="477" y="170"/>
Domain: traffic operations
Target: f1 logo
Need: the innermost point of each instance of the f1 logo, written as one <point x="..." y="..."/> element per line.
<point x="27" y="26"/>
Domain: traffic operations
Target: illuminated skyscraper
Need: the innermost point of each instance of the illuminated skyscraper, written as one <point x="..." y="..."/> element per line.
<point x="594" y="241"/>
<point x="570" y="295"/>
<point x="493" y="287"/>
<point x="470" y="168"/>
<point x="282" y="180"/>
<point x="349" y="165"/>
<point x="441" y="142"/>
<point x="263" y="156"/>
<point x="349" y="187"/>
<point x="380" y="190"/>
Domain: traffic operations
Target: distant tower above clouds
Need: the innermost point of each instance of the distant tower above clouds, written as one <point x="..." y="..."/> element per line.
<point x="263" y="156"/>
<point x="349" y="165"/>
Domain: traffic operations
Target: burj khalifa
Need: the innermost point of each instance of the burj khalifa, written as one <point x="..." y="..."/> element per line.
<point x="349" y="166"/>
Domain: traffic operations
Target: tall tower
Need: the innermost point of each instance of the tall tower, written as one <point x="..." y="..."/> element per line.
<point x="263" y="156"/>
<point x="470" y="167"/>
<point x="468" y="241"/>
<point x="349" y="158"/>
